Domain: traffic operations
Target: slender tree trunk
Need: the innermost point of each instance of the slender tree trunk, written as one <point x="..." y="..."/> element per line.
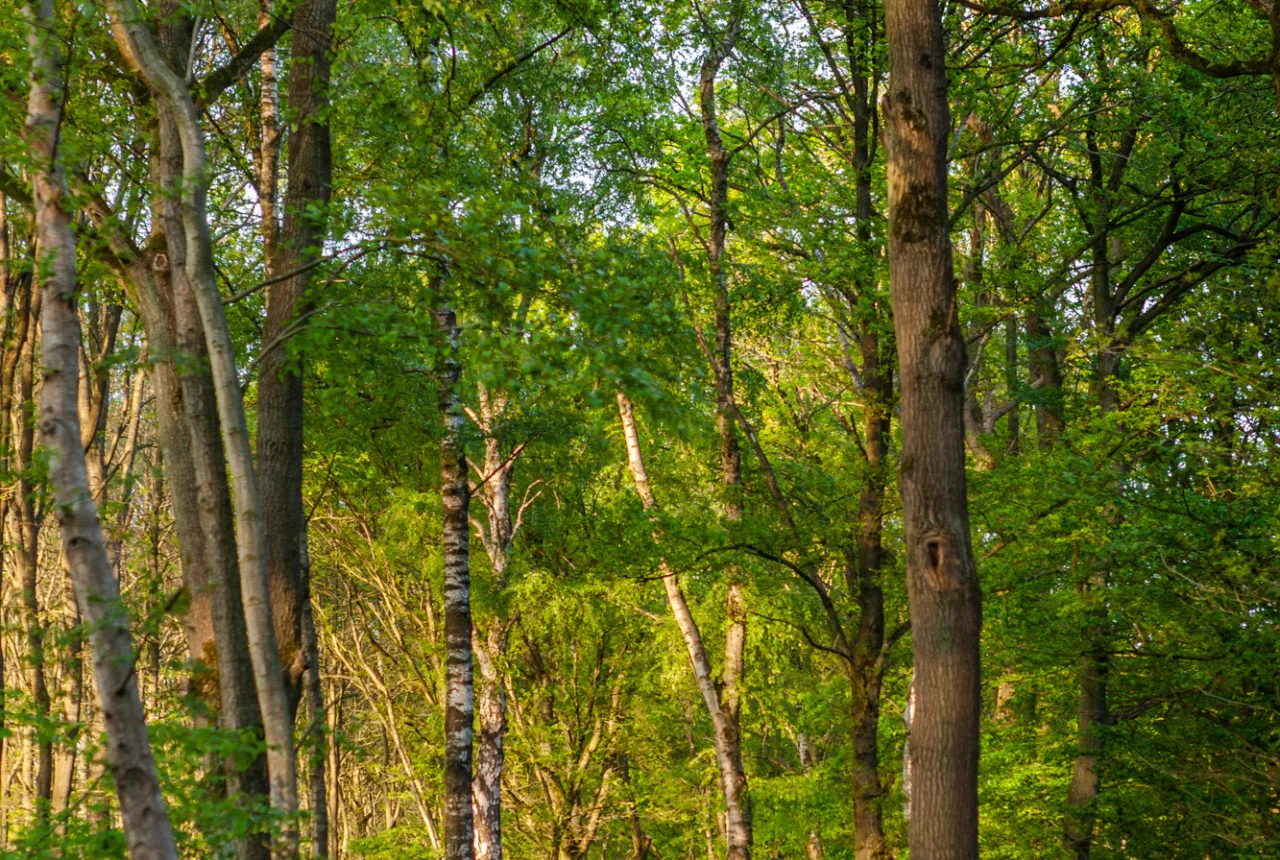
<point x="722" y="701"/>
<point x="146" y="821"/>
<point x="24" y="536"/>
<point x="138" y="46"/>
<point x="455" y="498"/>
<point x="64" y="770"/>
<point x="866" y="667"/>
<point x="490" y="644"/>
<point x="942" y="581"/>
<point x="728" y="726"/>
<point x="1093" y="714"/>
<point x="319" y="740"/>
<point x="492" y="717"/>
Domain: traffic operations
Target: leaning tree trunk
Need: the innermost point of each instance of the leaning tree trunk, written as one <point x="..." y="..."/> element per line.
<point x="138" y="46"/>
<point x="721" y="700"/>
<point x="146" y="822"/>
<point x="455" y="496"/>
<point x="942" y="582"/>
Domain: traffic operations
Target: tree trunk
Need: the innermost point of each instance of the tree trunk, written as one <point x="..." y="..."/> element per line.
<point x="189" y="436"/>
<point x="64" y="769"/>
<point x="455" y="499"/>
<point x="492" y="718"/>
<point x="1046" y="378"/>
<point x="280" y="441"/>
<point x="24" y="537"/>
<point x="490" y="646"/>
<point x="138" y="46"/>
<point x="942" y="582"/>
<point x="726" y="710"/>
<point x="722" y="702"/>
<point x="319" y="740"/>
<point x="866" y="669"/>
<point x="146" y="823"/>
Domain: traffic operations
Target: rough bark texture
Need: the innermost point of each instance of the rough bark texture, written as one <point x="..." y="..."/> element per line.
<point x="280" y="392"/>
<point x="146" y="823"/>
<point x="138" y="46"/>
<point x="455" y="497"/>
<point x="942" y="583"/>
<point x="189" y="436"/>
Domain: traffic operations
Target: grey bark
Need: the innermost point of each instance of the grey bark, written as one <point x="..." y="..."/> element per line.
<point x="146" y="823"/>
<point x="455" y="499"/>
<point x="721" y="700"/>
<point x="138" y="46"/>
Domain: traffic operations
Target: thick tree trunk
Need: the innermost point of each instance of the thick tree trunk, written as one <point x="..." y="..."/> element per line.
<point x="942" y="582"/>
<point x="455" y="496"/>
<point x="190" y="443"/>
<point x="138" y="46"/>
<point x="146" y="822"/>
<point x="280" y="440"/>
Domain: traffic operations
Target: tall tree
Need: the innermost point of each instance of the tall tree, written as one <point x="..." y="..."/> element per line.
<point x="138" y="45"/>
<point x="146" y="822"/>
<point x="942" y="580"/>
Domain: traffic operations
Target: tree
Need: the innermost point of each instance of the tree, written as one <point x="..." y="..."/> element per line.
<point x="942" y="578"/>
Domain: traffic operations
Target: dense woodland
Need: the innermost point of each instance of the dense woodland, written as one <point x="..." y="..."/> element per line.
<point x="641" y="429"/>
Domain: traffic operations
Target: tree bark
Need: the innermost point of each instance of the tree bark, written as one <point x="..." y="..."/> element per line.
<point x="24" y="537"/>
<point x="866" y="667"/>
<point x="1046" y="378"/>
<point x="189" y="437"/>
<point x="733" y="778"/>
<point x="722" y="701"/>
<point x="64" y="769"/>
<point x="146" y="823"/>
<point x="319" y="740"/>
<point x="455" y="497"/>
<point x="490" y="646"/>
<point x="138" y="46"/>
<point x="280" y="441"/>
<point x="942" y="582"/>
